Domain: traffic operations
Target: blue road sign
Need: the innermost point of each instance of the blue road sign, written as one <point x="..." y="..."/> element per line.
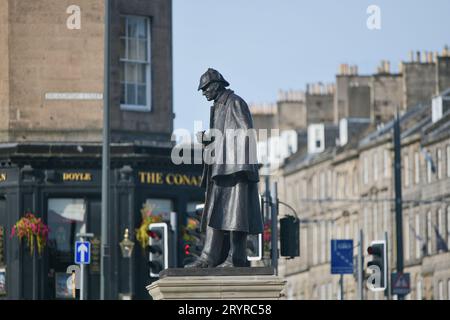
<point x="341" y="256"/>
<point x="400" y="283"/>
<point x="82" y="252"/>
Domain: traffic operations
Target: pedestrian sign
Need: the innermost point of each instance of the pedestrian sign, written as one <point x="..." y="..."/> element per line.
<point x="341" y="256"/>
<point x="400" y="283"/>
<point x="82" y="252"/>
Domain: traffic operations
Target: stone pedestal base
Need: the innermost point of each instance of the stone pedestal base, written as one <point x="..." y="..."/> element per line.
<point x="217" y="284"/>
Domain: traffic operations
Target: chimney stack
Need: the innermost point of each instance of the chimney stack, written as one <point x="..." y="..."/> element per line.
<point x="411" y="56"/>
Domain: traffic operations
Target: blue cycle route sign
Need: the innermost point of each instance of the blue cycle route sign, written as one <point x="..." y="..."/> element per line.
<point x="341" y="256"/>
<point x="82" y="252"/>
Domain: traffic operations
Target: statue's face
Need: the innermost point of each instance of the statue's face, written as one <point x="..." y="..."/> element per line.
<point x="211" y="91"/>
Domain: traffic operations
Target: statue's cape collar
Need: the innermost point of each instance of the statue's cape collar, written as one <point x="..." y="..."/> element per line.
<point x="222" y="99"/>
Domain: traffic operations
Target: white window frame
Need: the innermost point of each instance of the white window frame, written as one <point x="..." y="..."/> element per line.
<point x="148" y="107"/>
<point x="366" y="224"/>
<point x="314" y="243"/>
<point x="448" y="161"/>
<point x="439" y="163"/>
<point x="419" y="290"/>
<point x="406" y="169"/>
<point x="448" y="289"/>
<point x="407" y="231"/>
<point x="418" y="242"/>
<point x="441" y="290"/>
<point x="330" y="184"/>
<point x="323" y="241"/>
<point x="386" y="212"/>
<point x="416" y="168"/>
<point x="429" y="233"/>
<point x="375" y="220"/>
<point x="322" y="185"/>
<point x="429" y="172"/>
<point x="386" y="163"/>
<point x="375" y="166"/>
<point x="366" y="170"/>
<point x="448" y="228"/>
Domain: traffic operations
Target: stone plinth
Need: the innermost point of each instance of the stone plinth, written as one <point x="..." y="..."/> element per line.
<point x="217" y="284"/>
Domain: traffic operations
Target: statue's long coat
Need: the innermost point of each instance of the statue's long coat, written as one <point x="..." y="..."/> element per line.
<point x="232" y="200"/>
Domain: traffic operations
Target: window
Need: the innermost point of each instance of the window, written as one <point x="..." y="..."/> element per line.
<point x="375" y="221"/>
<point x="386" y="211"/>
<point x="448" y="228"/>
<point x="448" y="161"/>
<point x="375" y="166"/>
<point x="330" y="236"/>
<point x="330" y="291"/>
<point x="323" y="292"/>
<point x="441" y="225"/>
<point x="406" y="170"/>
<point x="161" y="207"/>
<point x="419" y="290"/>
<point x="355" y="182"/>
<point x="386" y="163"/>
<point x="366" y="170"/>
<point x="323" y="241"/>
<point x="314" y="187"/>
<point x="429" y="232"/>
<point x="439" y="163"/>
<point x="347" y="184"/>
<point x="441" y="290"/>
<point x="314" y="240"/>
<point x="322" y="185"/>
<point x="448" y="289"/>
<point x="366" y="225"/>
<point x="330" y="183"/>
<point x="429" y="172"/>
<point x="407" y="229"/>
<point x="66" y="217"/>
<point x="135" y="63"/>
<point x="416" y="168"/>
<point x="355" y="235"/>
<point x="418" y="242"/>
<point x="347" y="230"/>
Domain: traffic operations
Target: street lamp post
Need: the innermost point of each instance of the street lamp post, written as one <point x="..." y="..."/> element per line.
<point x="126" y="247"/>
<point x="105" y="254"/>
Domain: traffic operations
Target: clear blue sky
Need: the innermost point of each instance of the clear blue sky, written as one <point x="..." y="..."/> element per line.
<point x="261" y="46"/>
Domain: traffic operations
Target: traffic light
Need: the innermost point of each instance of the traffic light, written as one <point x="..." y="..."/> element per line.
<point x="192" y="237"/>
<point x="289" y="237"/>
<point x="159" y="248"/>
<point x="378" y="264"/>
<point x="254" y="247"/>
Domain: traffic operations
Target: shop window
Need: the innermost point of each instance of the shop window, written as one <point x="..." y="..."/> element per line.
<point x="66" y="218"/>
<point x="2" y="247"/>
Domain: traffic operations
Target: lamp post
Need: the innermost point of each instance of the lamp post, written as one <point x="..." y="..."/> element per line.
<point x="105" y="254"/>
<point x="126" y="247"/>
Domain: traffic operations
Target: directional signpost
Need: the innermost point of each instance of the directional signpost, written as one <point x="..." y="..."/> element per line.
<point x="83" y="257"/>
<point x="82" y="252"/>
<point x="342" y="259"/>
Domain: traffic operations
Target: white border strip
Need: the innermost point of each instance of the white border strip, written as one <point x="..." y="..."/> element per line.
<point x="73" y="96"/>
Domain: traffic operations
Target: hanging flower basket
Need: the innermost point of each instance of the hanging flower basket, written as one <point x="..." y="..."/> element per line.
<point x="34" y="230"/>
<point x="267" y="236"/>
<point x="142" y="233"/>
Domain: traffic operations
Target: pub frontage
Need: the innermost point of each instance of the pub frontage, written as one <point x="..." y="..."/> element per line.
<point x="61" y="184"/>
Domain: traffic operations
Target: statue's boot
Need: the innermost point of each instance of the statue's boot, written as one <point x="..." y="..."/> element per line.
<point x="211" y="251"/>
<point x="237" y="256"/>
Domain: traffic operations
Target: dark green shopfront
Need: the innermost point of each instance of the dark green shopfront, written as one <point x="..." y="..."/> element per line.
<point x="61" y="184"/>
